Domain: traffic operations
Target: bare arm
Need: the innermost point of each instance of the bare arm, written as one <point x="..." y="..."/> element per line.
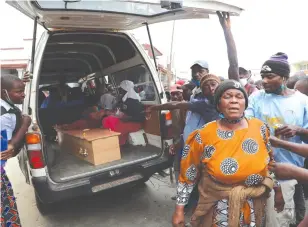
<point x="17" y="139"/>
<point x="285" y="171"/>
<point x="171" y="106"/>
<point x="225" y="22"/>
<point x="301" y="174"/>
<point x="297" y="148"/>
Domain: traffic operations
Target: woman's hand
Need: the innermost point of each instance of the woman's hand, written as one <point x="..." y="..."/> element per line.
<point x="178" y="219"/>
<point x="9" y="153"/>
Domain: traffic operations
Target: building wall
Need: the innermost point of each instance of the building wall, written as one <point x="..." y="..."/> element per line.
<point x="301" y="66"/>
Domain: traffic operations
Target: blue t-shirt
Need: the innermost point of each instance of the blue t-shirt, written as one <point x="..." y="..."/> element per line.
<point x="276" y="109"/>
<point x="207" y="110"/>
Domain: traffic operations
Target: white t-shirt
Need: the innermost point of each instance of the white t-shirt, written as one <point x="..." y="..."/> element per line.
<point x="8" y="120"/>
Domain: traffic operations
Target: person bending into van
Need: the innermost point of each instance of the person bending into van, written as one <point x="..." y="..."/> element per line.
<point x="16" y="126"/>
<point x="93" y="115"/>
<point x="132" y="113"/>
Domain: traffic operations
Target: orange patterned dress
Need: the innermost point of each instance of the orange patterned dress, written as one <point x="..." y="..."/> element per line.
<point x="230" y="157"/>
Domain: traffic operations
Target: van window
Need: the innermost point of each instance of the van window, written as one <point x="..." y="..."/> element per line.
<point x="133" y="8"/>
<point x="142" y="79"/>
<point x="95" y="48"/>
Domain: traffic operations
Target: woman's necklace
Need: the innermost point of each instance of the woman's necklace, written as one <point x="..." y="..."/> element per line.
<point x="232" y="121"/>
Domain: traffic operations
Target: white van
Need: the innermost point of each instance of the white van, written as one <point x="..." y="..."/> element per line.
<point x="85" y="38"/>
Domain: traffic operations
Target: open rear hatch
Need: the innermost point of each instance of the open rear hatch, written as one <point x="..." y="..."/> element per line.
<point x="118" y="15"/>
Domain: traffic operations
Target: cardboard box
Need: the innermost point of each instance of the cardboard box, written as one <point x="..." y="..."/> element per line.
<point x="97" y="146"/>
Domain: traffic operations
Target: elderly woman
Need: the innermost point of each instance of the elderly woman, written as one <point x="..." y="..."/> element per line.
<point x="231" y="157"/>
<point x="132" y="112"/>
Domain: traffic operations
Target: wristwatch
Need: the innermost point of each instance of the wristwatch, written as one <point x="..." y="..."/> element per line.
<point x="276" y="184"/>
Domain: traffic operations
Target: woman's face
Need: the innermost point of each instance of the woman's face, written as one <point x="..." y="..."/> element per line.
<point x="209" y="88"/>
<point x="232" y="104"/>
<point x="122" y="91"/>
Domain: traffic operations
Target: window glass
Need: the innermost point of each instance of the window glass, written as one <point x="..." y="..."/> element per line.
<point x="142" y="79"/>
<point x="134" y="8"/>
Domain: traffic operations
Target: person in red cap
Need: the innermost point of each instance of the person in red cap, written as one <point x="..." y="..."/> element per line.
<point x="176" y="93"/>
<point x="178" y="124"/>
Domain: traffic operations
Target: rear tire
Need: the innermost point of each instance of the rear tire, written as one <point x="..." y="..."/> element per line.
<point x="44" y="208"/>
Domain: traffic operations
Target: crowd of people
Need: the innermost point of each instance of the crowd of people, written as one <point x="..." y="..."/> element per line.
<point x="239" y="160"/>
<point x="239" y="147"/>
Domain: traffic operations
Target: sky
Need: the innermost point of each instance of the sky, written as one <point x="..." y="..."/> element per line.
<point x="263" y="29"/>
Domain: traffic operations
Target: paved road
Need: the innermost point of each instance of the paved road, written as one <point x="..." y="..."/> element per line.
<point x="148" y="206"/>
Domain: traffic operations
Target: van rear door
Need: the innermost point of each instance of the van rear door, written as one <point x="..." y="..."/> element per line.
<point x="117" y="14"/>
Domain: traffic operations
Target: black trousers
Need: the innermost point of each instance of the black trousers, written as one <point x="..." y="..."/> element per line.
<point x="306" y="185"/>
<point x="299" y="201"/>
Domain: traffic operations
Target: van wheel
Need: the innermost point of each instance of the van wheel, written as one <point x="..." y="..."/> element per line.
<point x="44" y="208"/>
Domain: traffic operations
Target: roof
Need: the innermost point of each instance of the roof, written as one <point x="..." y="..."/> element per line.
<point x="147" y="47"/>
<point x="14" y="63"/>
<point x="300" y="62"/>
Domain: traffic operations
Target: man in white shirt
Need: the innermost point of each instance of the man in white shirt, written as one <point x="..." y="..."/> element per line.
<point x="16" y="126"/>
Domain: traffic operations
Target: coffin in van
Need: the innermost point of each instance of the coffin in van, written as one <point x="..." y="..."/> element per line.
<point x="96" y="146"/>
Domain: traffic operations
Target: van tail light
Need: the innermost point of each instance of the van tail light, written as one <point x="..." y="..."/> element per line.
<point x="34" y="148"/>
<point x="168" y="118"/>
<point x="166" y="125"/>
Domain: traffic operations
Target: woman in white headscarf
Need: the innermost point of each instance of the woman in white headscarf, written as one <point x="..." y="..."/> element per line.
<point x="132" y="109"/>
<point x="128" y="90"/>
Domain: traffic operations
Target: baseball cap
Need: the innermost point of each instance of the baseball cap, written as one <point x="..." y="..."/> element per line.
<point x="175" y="88"/>
<point x="180" y="82"/>
<point x="201" y="63"/>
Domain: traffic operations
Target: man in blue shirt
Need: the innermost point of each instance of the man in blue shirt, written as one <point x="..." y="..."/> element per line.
<point x="286" y="113"/>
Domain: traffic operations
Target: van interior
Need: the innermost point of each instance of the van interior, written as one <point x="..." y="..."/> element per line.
<point x="86" y="62"/>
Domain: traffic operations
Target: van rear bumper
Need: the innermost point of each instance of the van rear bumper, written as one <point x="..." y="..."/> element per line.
<point x="49" y="192"/>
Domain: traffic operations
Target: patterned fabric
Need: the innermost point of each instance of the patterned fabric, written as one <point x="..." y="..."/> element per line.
<point x="9" y="212"/>
<point x="221" y="214"/>
<point x="227" y="156"/>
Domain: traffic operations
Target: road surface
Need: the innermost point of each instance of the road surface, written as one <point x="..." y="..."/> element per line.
<point x="148" y="206"/>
